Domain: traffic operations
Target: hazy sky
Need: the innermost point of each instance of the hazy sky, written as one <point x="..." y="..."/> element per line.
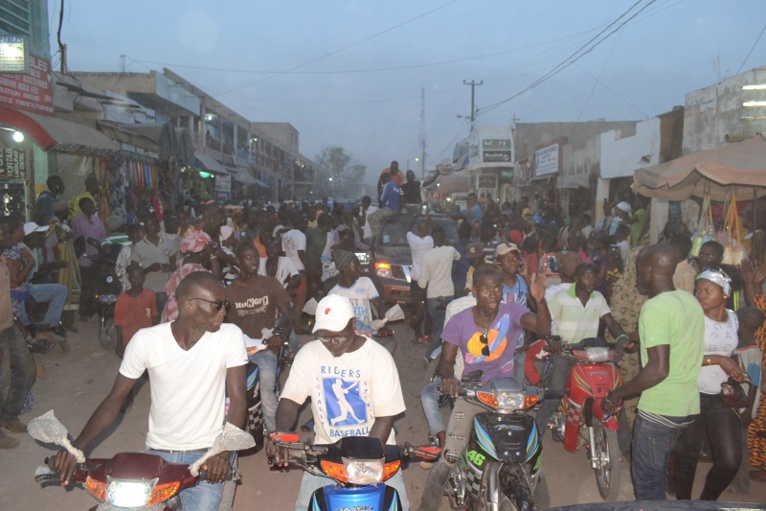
<point x="350" y="73"/>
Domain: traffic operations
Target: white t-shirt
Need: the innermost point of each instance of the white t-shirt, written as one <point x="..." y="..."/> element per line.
<point x="285" y="269"/>
<point x="418" y="246"/>
<point x="348" y="392"/>
<point x="188" y="388"/>
<point x="436" y="271"/>
<point x="367" y="230"/>
<point x="720" y="339"/>
<point x="360" y="294"/>
<point x="293" y="241"/>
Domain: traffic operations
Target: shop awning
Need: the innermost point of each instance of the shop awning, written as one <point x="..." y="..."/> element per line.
<point x="572" y="182"/>
<point x="205" y="162"/>
<point x="55" y="134"/>
<point x="242" y="175"/>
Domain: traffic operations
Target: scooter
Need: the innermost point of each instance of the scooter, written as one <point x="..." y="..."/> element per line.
<point x="357" y="468"/>
<point x="106" y="290"/>
<point x="135" y="480"/>
<point x="581" y="419"/>
<point x="501" y="468"/>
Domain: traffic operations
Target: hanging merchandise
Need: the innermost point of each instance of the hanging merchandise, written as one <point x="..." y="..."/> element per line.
<point x="733" y="250"/>
<point x="705" y="229"/>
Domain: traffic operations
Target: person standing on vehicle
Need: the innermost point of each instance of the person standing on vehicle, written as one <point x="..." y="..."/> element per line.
<point x="366" y="210"/>
<point x="12" y="346"/>
<point x="672" y="336"/>
<point x="411" y="190"/>
<point x="486" y="336"/>
<point x="341" y="358"/>
<point x="157" y="256"/>
<point x="87" y="233"/>
<point x="419" y="241"/>
<point x="575" y="315"/>
<point x="255" y="300"/>
<point x="193" y="363"/>
<point x="436" y="279"/>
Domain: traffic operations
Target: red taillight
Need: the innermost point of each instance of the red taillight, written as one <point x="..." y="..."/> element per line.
<point x="335" y="470"/>
<point x="96" y="488"/>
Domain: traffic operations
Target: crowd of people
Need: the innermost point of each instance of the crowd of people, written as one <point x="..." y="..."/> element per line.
<point x="204" y="274"/>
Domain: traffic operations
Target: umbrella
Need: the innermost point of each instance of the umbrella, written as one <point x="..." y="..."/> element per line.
<point x="713" y="172"/>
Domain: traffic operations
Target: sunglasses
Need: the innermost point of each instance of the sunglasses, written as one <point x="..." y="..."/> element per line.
<point x="218" y="305"/>
<point x="336" y="339"/>
<point x="485" y="341"/>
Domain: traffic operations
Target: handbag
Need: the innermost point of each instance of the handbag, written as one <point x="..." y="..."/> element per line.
<point x="704" y="226"/>
<point x="733" y="395"/>
<point x="733" y="249"/>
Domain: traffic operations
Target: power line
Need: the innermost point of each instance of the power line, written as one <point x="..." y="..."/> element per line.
<point x="577" y="55"/>
<point x="751" y="49"/>
<point x="598" y="79"/>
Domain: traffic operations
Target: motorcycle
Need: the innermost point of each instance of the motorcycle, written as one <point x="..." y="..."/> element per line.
<point x="106" y="290"/>
<point x="581" y="419"/>
<point x="358" y="467"/>
<point x="501" y="467"/>
<point x="135" y="480"/>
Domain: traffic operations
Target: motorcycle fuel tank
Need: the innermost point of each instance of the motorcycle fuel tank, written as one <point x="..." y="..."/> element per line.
<point x="507" y="438"/>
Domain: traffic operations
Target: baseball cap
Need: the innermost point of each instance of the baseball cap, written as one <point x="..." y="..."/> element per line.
<point x="31" y="227"/>
<point x="474" y="250"/>
<point x="333" y="313"/>
<point x="624" y="206"/>
<point x="504" y="248"/>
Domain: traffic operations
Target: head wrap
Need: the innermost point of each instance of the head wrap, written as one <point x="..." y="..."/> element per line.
<point x="343" y="258"/>
<point x="717" y="276"/>
<point x="225" y="231"/>
<point x="195" y="241"/>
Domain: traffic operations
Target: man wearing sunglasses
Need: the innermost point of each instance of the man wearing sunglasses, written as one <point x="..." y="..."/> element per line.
<point x="486" y="335"/>
<point x="192" y="363"/>
<point x="354" y="388"/>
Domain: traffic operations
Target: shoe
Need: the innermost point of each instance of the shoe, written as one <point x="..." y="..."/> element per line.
<point x="7" y="442"/>
<point x="427" y="465"/>
<point x="13" y="425"/>
<point x="49" y="335"/>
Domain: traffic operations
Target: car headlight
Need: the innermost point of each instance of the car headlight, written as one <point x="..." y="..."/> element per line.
<point x="596" y="355"/>
<point x="364" y="472"/>
<point x="383" y="270"/>
<point x="126" y="493"/>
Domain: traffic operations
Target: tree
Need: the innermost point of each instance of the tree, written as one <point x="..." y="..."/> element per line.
<point x="339" y="174"/>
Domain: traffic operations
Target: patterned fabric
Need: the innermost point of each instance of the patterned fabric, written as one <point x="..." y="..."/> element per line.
<point x="70" y="275"/>
<point x="756" y="445"/>
<point x="170" y="312"/>
<point x="626" y="306"/>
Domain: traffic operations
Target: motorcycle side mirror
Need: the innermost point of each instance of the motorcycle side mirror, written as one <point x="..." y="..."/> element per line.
<point x="473" y="376"/>
<point x="48" y="429"/>
<point x="230" y="439"/>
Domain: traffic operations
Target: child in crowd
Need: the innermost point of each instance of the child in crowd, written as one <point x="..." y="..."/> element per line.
<point x="135" y="309"/>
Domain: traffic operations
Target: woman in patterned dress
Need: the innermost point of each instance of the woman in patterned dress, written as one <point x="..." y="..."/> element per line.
<point x="756" y="434"/>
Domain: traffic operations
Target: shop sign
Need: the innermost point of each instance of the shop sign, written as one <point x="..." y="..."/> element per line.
<point x="223" y="186"/>
<point x="31" y="91"/>
<point x="506" y="176"/>
<point x="496" y="150"/>
<point x="487" y="180"/>
<point x="13" y="163"/>
<point x="547" y="160"/>
<point x="13" y="55"/>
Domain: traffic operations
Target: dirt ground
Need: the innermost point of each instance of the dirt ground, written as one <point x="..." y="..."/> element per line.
<point x="76" y="382"/>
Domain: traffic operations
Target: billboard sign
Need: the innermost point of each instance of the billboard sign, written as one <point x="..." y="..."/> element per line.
<point x="32" y="90"/>
<point x="547" y="160"/>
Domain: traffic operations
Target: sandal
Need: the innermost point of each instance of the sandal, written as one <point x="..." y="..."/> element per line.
<point x="13" y="425"/>
<point x="7" y="442"/>
<point x="419" y="340"/>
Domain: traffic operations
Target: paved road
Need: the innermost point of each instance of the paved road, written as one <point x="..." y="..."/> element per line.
<point x="76" y="382"/>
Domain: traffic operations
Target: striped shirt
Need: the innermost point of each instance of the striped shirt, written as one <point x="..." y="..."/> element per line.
<point x="574" y="321"/>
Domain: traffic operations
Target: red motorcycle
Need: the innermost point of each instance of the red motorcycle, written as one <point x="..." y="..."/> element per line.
<point x="581" y="419"/>
<point x="136" y="480"/>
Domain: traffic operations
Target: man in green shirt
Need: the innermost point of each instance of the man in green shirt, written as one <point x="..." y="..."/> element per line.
<point x="672" y="332"/>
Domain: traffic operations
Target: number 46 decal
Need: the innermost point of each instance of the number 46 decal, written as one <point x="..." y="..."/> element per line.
<point x="476" y="458"/>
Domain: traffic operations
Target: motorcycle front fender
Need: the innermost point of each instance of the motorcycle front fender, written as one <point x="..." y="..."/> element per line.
<point x="598" y="413"/>
<point x="379" y="497"/>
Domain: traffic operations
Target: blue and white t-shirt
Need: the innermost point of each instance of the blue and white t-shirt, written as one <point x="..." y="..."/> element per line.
<point x="517" y="293"/>
<point x="347" y="392"/>
<point x="359" y="294"/>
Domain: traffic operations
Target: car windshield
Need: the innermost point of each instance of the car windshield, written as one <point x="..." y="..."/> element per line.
<point x="394" y="233"/>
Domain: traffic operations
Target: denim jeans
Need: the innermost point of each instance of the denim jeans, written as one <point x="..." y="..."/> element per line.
<point x="429" y="399"/>
<point x="160" y="298"/>
<point x="652" y="445"/>
<point x="22" y="367"/>
<point x="723" y="428"/>
<point x="437" y="310"/>
<point x="267" y="375"/>
<point x="203" y="497"/>
<point x="311" y="483"/>
<point x="54" y="295"/>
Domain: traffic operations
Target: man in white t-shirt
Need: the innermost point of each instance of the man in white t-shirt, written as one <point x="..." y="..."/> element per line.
<point x="294" y="246"/>
<point x="279" y="267"/>
<point x="192" y="363"/>
<point x="419" y="241"/>
<point x="364" y="213"/>
<point x="359" y="290"/>
<point x="354" y="388"/>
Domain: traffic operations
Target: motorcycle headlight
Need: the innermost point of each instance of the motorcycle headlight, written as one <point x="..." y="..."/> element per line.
<point x="510" y="401"/>
<point x="364" y="472"/>
<point x="107" y="299"/>
<point x="126" y="493"/>
<point x="596" y="355"/>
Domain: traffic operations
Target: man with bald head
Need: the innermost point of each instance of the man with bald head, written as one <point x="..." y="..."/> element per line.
<point x="192" y="363"/>
<point x="672" y="331"/>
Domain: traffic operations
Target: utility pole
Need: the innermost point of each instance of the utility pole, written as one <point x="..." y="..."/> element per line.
<point x="422" y="136"/>
<point x="123" y="66"/>
<point x="473" y="84"/>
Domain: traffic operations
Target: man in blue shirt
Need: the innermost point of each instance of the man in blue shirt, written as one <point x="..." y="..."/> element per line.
<point x="389" y="198"/>
<point x="473" y="213"/>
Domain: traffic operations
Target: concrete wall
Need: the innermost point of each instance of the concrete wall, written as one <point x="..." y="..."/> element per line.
<point x="622" y="155"/>
<point x="282" y="134"/>
<point x="715" y="113"/>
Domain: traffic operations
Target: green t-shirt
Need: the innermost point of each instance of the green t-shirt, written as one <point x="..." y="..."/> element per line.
<point x="637" y="228"/>
<point x="674" y="318"/>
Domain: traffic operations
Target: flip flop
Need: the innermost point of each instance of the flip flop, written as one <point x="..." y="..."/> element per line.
<point x="419" y="340"/>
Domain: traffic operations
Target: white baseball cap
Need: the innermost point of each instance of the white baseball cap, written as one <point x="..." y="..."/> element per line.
<point x="31" y="227"/>
<point x="333" y="313"/>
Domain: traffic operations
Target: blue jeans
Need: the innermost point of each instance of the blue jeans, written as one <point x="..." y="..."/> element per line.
<point x="54" y="295"/>
<point x="267" y="375"/>
<point x="311" y="483"/>
<point x="203" y="497"/>
<point x="437" y="313"/>
<point x="22" y="367"/>
<point x="429" y="399"/>
<point x="160" y="298"/>
<point x="652" y="445"/>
